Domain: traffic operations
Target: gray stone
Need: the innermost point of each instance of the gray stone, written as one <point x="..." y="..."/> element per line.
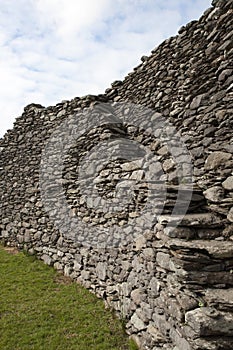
<point x="196" y="102"/>
<point x="230" y="215"/>
<point x="208" y="321"/>
<point x="163" y="150"/>
<point x="193" y="220"/>
<point x="47" y="259"/>
<point x="101" y="271"/>
<point x="131" y="166"/>
<point x="85" y="275"/>
<point x="137" y="296"/>
<point x="220" y="298"/>
<point x="217" y="159"/>
<point x="137" y="175"/>
<point x="149" y="253"/>
<point x="228" y="183"/>
<point x="163" y="260"/>
<point x="214" y="194"/>
<point x="140" y="242"/>
<point x="58" y="266"/>
<point x="137" y="322"/>
<point x="168" y="165"/>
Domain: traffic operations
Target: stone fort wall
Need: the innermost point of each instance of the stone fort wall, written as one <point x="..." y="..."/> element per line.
<point x="130" y="192"/>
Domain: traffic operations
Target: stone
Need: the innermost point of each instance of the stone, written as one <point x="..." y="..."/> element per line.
<point x="196" y="101"/>
<point x="85" y="275"/>
<point x="179" y="232"/>
<point x="214" y="194"/>
<point x="77" y="266"/>
<point x="224" y="74"/>
<point x="168" y="165"/>
<point x="191" y="220"/>
<point x="137" y="175"/>
<point x="154" y="287"/>
<point x="144" y="58"/>
<point x="208" y="321"/>
<point x="163" y="260"/>
<point x="47" y="259"/>
<point x="228" y="183"/>
<point x="230" y="215"/>
<point x="220" y="298"/>
<point x="156" y="334"/>
<point x="149" y="253"/>
<point x="101" y="271"/>
<point x="216" y="249"/>
<point x="140" y="242"/>
<point x="137" y="296"/>
<point x="217" y="159"/>
<point x="163" y="150"/>
<point x="137" y="322"/>
<point x="131" y="166"/>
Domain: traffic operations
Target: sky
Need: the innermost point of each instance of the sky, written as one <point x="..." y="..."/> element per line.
<point x="54" y="50"/>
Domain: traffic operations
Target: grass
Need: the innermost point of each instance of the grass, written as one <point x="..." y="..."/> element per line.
<point x="40" y="309"/>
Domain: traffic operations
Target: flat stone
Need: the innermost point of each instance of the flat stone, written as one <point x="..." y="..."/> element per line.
<point x="163" y="150"/>
<point x="196" y="101"/>
<point x="131" y="166"/>
<point x="208" y="321"/>
<point x="198" y="220"/>
<point x="214" y="194"/>
<point x="217" y="249"/>
<point x="217" y="159"/>
<point x="224" y="74"/>
<point x="222" y="298"/>
<point x="179" y="232"/>
<point x="137" y="175"/>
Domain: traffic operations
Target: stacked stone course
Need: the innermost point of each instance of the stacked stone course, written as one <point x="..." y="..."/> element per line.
<point x="174" y="287"/>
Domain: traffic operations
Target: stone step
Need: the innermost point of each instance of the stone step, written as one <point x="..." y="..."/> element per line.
<point x="193" y="220"/>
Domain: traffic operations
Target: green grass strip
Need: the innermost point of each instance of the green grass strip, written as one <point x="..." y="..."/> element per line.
<point x="40" y="310"/>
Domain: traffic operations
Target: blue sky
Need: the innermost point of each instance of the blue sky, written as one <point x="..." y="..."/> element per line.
<point x="51" y="50"/>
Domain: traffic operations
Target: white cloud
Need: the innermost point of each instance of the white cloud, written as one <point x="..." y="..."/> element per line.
<point x="52" y="50"/>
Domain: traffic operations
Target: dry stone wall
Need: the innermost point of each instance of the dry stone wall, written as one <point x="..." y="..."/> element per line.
<point x="168" y="273"/>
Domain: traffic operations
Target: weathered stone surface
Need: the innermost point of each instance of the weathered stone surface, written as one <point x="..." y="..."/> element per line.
<point x="214" y="194"/>
<point x="197" y="101"/>
<point x="47" y="259"/>
<point x="208" y="321"/>
<point x="137" y="322"/>
<point x="228" y="183"/>
<point x="215" y="248"/>
<point x="192" y="220"/>
<point x="217" y="159"/>
<point x="101" y="270"/>
<point x="137" y="296"/>
<point x="222" y="299"/>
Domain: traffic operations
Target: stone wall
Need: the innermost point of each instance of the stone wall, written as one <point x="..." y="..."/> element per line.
<point x="92" y="185"/>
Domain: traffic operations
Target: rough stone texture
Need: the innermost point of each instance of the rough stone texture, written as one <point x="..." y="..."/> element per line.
<point x="228" y="183"/>
<point x="172" y="285"/>
<point x="216" y="160"/>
